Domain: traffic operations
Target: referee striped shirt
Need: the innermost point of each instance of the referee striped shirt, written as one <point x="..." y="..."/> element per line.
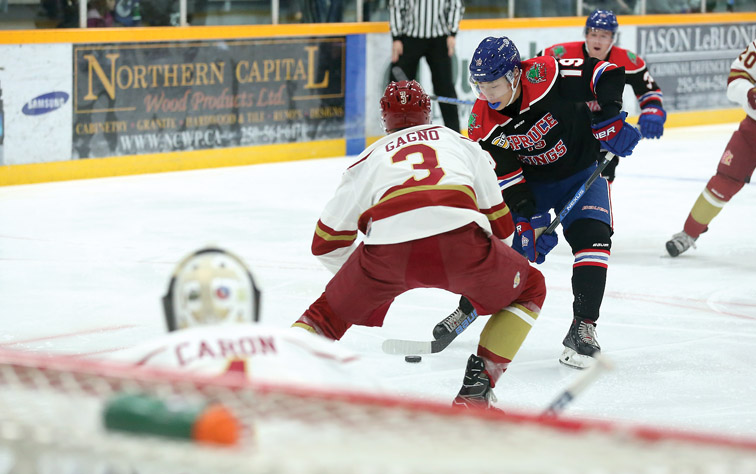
<point x="425" y="18"/>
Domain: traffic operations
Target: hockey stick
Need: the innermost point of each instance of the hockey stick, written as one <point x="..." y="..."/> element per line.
<point x="578" y="386"/>
<point x="557" y="220"/>
<point x="405" y="347"/>
<point x="579" y="193"/>
<point x="400" y="75"/>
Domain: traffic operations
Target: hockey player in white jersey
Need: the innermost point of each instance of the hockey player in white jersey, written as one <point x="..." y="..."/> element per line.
<point x="428" y="203"/>
<point x="212" y="310"/>
<point x="736" y="164"/>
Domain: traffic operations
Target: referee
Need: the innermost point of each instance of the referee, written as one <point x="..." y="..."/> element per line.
<point x="427" y="28"/>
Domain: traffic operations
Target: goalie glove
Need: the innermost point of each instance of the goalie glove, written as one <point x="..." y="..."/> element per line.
<point x="535" y="246"/>
<point x="651" y="122"/>
<point x="616" y="135"/>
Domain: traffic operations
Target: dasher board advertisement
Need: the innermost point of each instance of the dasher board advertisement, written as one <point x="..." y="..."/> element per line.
<point x="141" y="98"/>
<point x="691" y="62"/>
<point x="35" y="105"/>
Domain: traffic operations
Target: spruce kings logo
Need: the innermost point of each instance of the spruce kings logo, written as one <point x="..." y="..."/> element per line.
<point x="472" y="124"/>
<point x="632" y="57"/>
<point x="536" y="73"/>
<point x="559" y="51"/>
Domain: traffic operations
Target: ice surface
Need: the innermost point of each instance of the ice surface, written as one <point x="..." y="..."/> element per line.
<point x="83" y="265"/>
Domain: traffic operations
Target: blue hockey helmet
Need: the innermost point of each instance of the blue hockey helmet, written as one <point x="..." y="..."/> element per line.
<point x="602" y="20"/>
<point x="494" y="58"/>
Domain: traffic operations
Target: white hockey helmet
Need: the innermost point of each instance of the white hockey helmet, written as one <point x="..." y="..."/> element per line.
<point x="211" y="287"/>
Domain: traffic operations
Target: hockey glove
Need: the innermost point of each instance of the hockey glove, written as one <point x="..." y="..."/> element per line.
<point x="752" y="98"/>
<point x="616" y="135"/>
<point x="535" y="249"/>
<point x="651" y="122"/>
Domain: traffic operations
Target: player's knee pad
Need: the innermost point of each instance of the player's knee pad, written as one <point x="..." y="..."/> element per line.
<point x="589" y="234"/>
<point x="534" y="293"/>
<point x="723" y="187"/>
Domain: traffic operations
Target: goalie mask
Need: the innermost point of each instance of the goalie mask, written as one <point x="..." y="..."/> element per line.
<point x="210" y="287"/>
<point x="404" y="104"/>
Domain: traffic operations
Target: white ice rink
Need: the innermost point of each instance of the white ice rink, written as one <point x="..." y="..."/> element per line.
<point x="83" y="265"/>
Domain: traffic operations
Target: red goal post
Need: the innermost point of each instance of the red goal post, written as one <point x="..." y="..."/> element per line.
<point x="51" y="412"/>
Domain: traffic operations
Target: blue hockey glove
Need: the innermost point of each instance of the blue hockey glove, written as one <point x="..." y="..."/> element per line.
<point x="535" y="249"/>
<point x="651" y="122"/>
<point x="616" y="135"/>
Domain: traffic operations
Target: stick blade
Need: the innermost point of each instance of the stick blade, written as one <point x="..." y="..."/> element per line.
<point x="402" y="347"/>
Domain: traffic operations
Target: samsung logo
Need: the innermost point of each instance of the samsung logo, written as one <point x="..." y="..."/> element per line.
<point x="45" y="103"/>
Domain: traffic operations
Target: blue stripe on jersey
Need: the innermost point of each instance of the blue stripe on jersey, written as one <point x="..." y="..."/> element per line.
<point x="597" y="72"/>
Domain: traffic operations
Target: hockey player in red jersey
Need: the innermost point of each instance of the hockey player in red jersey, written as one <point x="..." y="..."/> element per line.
<point x="736" y="164"/>
<point x="428" y="203"/>
<point x="600" y="34"/>
<point x="532" y="117"/>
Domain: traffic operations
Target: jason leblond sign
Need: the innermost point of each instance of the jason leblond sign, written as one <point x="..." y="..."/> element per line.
<point x="691" y="62"/>
<point x="159" y="97"/>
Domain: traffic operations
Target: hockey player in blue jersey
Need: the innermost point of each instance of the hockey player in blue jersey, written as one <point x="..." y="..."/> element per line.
<point x="532" y="117"/>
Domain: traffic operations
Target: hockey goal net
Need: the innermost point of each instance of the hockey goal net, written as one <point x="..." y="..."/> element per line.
<point x="51" y="421"/>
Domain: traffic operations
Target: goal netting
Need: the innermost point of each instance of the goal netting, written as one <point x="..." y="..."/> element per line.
<point x="51" y="421"/>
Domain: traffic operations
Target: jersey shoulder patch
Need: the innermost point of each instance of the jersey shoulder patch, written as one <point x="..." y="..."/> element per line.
<point x="483" y="120"/>
<point x="538" y="77"/>
<point x="572" y="49"/>
<point x="627" y="59"/>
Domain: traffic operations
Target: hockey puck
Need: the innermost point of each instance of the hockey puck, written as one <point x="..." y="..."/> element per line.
<point x="412" y="359"/>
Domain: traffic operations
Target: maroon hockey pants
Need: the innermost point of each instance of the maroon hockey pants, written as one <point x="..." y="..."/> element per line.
<point x="463" y="261"/>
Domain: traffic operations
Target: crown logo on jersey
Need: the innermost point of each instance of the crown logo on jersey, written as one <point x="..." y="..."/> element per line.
<point x="536" y="73"/>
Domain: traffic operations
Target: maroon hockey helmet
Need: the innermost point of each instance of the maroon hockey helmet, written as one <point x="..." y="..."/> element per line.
<point x="404" y="104"/>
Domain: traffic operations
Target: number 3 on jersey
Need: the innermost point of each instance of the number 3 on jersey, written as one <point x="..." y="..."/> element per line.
<point x="429" y="163"/>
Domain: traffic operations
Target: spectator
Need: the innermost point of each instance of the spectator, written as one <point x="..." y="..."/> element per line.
<point x="126" y="13"/>
<point x="100" y="13"/>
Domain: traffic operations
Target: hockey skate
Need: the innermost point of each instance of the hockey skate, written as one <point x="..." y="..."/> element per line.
<point x="476" y="389"/>
<point x="680" y="243"/>
<point x="451" y="322"/>
<point x="580" y="344"/>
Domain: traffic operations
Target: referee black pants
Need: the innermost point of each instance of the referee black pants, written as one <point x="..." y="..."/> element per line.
<point x="436" y="54"/>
